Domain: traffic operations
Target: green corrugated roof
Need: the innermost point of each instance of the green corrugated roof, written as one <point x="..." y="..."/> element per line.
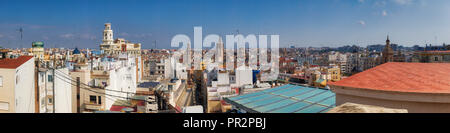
<point x="286" y="99"/>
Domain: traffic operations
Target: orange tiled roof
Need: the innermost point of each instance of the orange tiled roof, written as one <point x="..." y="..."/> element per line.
<point x="14" y="63"/>
<point x="402" y="77"/>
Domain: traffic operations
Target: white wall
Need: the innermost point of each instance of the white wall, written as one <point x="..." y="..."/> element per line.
<point x="244" y="76"/>
<point x="24" y="89"/>
<point x="140" y="69"/>
<point x="223" y="78"/>
<point x="63" y="92"/>
<point x="121" y="79"/>
<point x="42" y="91"/>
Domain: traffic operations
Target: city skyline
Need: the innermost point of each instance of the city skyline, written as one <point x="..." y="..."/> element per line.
<point x="302" y="23"/>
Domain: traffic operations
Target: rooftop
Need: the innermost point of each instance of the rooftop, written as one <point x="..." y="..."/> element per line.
<point x="361" y="108"/>
<point x="14" y="63"/>
<point x="286" y="99"/>
<point x="402" y="77"/>
<point x="148" y="84"/>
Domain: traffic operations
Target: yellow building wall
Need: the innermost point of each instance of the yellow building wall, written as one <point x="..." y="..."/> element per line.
<point x="7" y="89"/>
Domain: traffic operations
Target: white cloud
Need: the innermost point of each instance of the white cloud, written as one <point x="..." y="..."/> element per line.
<point x="380" y="3"/>
<point x="85" y="36"/>
<point x="11" y="37"/>
<point x="88" y="37"/>
<point x="403" y="2"/>
<point x="67" y="36"/>
<point x="362" y="22"/>
<point x="384" y="13"/>
<point x="143" y="35"/>
<point x="124" y="34"/>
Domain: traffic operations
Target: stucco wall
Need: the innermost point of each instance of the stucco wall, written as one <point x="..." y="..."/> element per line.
<point x="7" y="89"/>
<point x="84" y="79"/>
<point x="413" y="102"/>
<point x="122" y="79"/>
<point x="63" y="92"/>
<point x="412" y="107"/>
<point x="24" y="89"/>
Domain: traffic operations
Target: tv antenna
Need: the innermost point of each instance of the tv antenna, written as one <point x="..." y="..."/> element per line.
<point x="21" y="36"/>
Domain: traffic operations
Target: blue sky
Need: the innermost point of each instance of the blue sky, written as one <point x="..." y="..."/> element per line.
<point x="317" y="23"/>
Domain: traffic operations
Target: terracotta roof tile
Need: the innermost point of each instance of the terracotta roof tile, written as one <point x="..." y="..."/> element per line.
<point x="402" y="77"/>
<point x="14" y="63"/>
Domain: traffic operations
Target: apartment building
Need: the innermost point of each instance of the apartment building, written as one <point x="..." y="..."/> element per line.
<point x="57" y="98"/>
<point x="432" y="57"/>
<point x="17" y="87"/>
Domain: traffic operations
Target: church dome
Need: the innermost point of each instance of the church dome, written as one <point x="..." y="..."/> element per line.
<point x="76" y="51"/>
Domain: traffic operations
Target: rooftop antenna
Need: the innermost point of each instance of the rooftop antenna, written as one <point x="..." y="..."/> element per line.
<point x="21" y="35"/>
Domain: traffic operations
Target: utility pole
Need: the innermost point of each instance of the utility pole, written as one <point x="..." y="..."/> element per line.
<point x="78" y="95"/>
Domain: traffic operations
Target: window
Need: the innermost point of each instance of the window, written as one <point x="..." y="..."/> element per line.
<point x="92" y="99"/>
<point x="99" y="99"/>
<point x="50" y="100"/>
<point x="50" y="78"/>
<point x="1" y="81"/>
<point x="42" y="78"/>
<point x="436" y="59"/>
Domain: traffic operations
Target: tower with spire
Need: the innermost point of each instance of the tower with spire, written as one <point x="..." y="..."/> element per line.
<point x="111" y="46"/>
<point x="108" y="34"/>
<point x="108" y="40"/>
<point x="388" y="53"/>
